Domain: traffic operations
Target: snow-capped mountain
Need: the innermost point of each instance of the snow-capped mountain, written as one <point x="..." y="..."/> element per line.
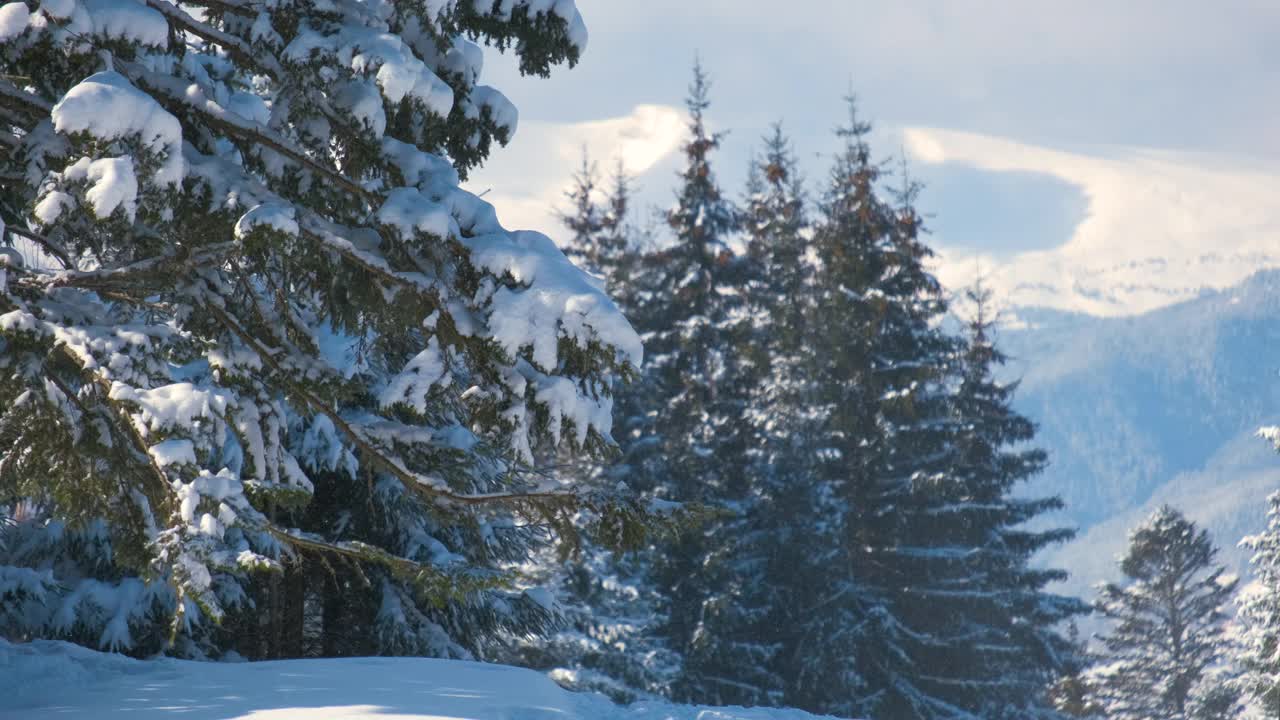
<point x="1159" y="407"/>
<point x="1129" y="229"/>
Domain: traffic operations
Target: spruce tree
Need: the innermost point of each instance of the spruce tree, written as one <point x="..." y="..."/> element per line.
<point x="1217" y="696"/>
<point x="647" y="623"/>
<point x="917" y="597"/>
<point x="298" y="374"/>
<point x="1259" y="614"/>
<point x="606" y="639"/>
<point x="608" y="609"/>
<point x="1167" y="621"/>
<point x="973" y="594"/>
<point x="583" y="216"/>
<point x="1072" y="694"/>
<point x="880" y="365"/>
<point x="60" y="580"/>
<point x="598" y="218"/>
<point x="693" y="401"/>
<point x="735" y="657"/>
<point x="750" y="616"/>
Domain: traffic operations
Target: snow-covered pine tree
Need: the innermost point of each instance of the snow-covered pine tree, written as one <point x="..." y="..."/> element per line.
<point x="972" y="594"/>
<point x="1167" y="620"/>
<point x="584" y="216"/>
<point x="64" y="581"/>
<point x="1259" y="611"/>
<point x="1218" y="694"/>
<point x="1072" y="694"/>
<point x="749" y="615"/>
<point x="776" y="224"/>
<point x="606" y="640"/>
<point x="278" y="334"/>
<point x="599" y="219"/>
<point x="694" y="398"/>
<point x="881" y="366"/>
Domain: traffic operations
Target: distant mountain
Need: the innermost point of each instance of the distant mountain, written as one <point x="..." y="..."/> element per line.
<point x="1159" y="407"/>
<point x="1108" y="231"/>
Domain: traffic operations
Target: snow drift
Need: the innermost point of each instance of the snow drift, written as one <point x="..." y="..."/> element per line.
<point x="46" y="679"/>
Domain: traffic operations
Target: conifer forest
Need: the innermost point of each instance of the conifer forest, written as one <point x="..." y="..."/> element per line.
<point x="281" y="393"/>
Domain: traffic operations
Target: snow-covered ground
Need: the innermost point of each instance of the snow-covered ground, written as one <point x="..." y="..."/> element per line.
<point x="47" y="679"/>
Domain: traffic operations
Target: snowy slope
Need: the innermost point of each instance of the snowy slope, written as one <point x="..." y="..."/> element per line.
<point x="1160" y="407"/>
<point x="57" y="680"/>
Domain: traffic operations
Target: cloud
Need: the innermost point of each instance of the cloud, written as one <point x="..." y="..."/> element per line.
<point x="1172" y="73"/>
<point x="1017" y="85"/>
<point x="527" y="179"/>
<point x="1159" y="227"/>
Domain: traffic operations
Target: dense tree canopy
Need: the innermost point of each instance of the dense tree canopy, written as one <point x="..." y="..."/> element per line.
<point x="275" y="369"/>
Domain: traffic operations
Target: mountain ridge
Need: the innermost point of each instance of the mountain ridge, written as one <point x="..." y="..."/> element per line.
<point x="1158" y="407"/>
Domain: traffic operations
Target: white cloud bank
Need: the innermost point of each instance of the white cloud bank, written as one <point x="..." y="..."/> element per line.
<point x="528" y="178"/>
<point x="1160" y="226"/>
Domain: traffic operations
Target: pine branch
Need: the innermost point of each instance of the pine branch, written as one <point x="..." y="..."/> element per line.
<point x="248" y="10"/>
<point x="161" y="268"/>
<point x="237" y="47"/>
<point x="418" y="484"/>
<point x="16" y="117"/>
<point x="46" y="244"/>
<point x="167" y="88"/>
<point x="265" y="63"/>
<point x="329" y="237"/>
<point x="23" y="102"/>
<point x="160" y="487"/>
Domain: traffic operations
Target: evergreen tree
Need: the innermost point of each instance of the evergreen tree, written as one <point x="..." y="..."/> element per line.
<point x="583" y="217"/>
<point x="917" y="599"/>
<point x="1217" y="695"/>
<point x="606" y="640"/>
<point x="973" y="594"/>
<point x="295" y="371"/>
<point x="1259" y="612"/>
<point x="734" y="657"/>
<point x="622" y="241"/>
<point x="1167" y="621"/>
<point x="608" y="609"/>
<point x="62" y="581"/>
<point x="1072" y="694"/>
<point x="692" y="443"/>
<point x="780" y="273"/>
<point x="599" y="219"/>
<point x="880" y="366"/>
<point x="750" y="616"/>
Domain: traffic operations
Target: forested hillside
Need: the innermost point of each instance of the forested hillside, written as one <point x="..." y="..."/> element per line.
<point x="1161" y="407"/>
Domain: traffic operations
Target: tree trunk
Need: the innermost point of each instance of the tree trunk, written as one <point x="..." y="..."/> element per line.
<point x="293" y="607"/>
<point x="331" y="619"/>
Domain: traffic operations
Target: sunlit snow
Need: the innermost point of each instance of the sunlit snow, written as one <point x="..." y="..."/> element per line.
<point x="47" y="679"/>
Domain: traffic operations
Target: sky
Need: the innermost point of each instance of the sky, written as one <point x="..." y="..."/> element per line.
<point x="1091" y="156"/>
